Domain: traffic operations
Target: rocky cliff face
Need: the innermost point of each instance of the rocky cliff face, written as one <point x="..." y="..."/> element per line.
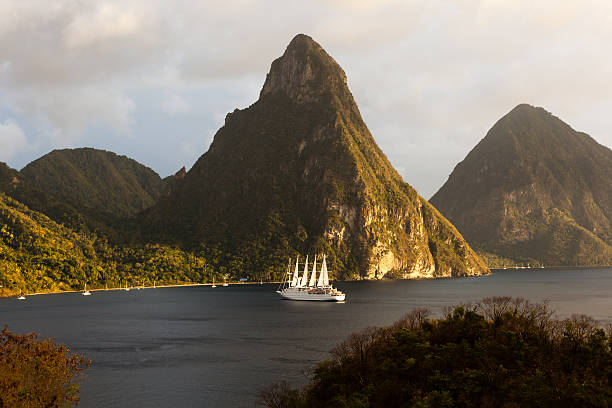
<point x="534" y="190"/>
<point x="298" y="172"/>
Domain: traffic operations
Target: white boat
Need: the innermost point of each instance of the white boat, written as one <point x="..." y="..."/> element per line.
<point x="225" y="282"/>
<point x="313" y="289"/>
<point x="21" y="297"/>
<point x="213" y="285"/>
<point x="85" y="291"/>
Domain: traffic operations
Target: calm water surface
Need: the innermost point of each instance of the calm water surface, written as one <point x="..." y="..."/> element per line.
<point x="204" y="347"/>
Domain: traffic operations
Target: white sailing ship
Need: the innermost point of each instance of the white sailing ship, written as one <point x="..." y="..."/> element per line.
<point x="302" y="288"/>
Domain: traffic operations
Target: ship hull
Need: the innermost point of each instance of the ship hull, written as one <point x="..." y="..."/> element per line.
<point x="316" y="297"/>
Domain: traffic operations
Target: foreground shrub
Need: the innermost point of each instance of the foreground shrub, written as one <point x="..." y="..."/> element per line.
<point x="500" y="352"/>
<point x="37" y="373"/>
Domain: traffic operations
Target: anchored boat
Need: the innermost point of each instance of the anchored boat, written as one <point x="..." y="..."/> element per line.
<point x="303" y="288"/>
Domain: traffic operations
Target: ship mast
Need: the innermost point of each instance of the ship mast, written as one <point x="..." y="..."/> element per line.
<point x="313" y="277"/>
<point x="295" y="274"/>
<point x="304" y="281"/>
<point x="323" y="278"/>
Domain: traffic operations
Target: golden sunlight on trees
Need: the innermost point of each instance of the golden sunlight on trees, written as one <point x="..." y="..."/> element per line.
<point x="38" y="373"/>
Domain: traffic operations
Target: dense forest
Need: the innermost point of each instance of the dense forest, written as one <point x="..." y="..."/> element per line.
<point x="500" y="352"/>
<point x="38" y="254"/>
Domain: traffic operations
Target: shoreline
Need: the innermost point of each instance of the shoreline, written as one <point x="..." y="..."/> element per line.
<point x="178" y="285"/>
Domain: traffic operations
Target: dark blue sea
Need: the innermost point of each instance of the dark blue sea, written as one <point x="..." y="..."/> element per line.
<point x="205" y="347"/>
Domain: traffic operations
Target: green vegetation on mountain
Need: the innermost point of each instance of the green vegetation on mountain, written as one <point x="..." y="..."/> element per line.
<point x="298" y="172"/>
<point x="38" y="373"/>
<point x="95" y="181"/>
<point x="39" y="255"/>
<point x="500" y="352"/>
<point x="534" y="190"/>
<point x="14" y="184"/>
<point x="85" y="189"/>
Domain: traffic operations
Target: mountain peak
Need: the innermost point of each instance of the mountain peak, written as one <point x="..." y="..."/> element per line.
<point x="532" y="188"/>
<point x="304" y="72"/>
<point x="527" y="124"/>
<point x="525" y="110"/>
<point x="299" y="171"/>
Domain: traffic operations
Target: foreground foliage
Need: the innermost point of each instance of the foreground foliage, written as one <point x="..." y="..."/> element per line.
<point x="501" y="352"/>
<point x="38" y="373"/>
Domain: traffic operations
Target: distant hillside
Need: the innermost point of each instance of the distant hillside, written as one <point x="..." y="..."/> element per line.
<point x="534" y="190"/>
<point x="39" y="255"/>
<point x="95" y="181"/>
<point x="14" y="184"/>
<point x="299" y="172"/>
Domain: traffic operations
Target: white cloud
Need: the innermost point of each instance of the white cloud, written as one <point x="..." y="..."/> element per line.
<point x="64" y="116"/>
<point x="106" y="22"/>
<point x="12" y="139"/>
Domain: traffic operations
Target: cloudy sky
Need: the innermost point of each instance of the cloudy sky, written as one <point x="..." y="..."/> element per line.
<point x="153" y="79"/>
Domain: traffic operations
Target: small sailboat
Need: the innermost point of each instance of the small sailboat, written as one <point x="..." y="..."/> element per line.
<point x="213" y="285"/>
<point x="126" y="287"/>
<point x="85" y="291"/>
<point x="225" y="282"/>
<point x="21" y="297"/>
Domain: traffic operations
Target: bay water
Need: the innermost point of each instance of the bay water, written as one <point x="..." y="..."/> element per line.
<point x="216" y="347"/>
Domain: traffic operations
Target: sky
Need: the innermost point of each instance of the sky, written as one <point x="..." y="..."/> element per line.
<point x="153" y="80"/>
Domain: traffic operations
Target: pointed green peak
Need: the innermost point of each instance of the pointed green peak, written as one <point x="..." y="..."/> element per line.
<point x="304" y="72"/>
